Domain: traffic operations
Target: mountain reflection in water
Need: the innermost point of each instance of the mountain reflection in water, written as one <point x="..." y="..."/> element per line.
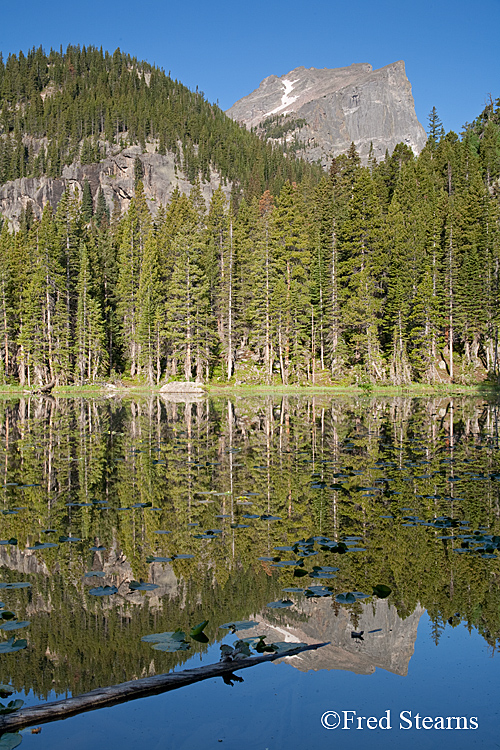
<point x="387" y="642"/>
<point x="410" y="486"/>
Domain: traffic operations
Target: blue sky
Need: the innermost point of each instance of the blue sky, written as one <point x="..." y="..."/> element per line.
<point x="451" y="49"/>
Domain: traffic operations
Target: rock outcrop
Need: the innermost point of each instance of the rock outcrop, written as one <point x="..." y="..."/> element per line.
<point x="183" y="386"/>
<point x="114" y="175"/>
<point x="183" y="392"/>
<point x="335" y="107"/>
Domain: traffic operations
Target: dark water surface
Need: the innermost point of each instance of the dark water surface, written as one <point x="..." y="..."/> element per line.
<point x="397" y="492"/>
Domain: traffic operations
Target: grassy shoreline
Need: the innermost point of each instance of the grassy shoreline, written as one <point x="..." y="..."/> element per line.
<point x="132" y="390"/>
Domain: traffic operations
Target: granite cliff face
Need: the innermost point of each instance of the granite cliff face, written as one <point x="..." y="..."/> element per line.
<point x="335" y="107"/>
<point x="114" y="175"/>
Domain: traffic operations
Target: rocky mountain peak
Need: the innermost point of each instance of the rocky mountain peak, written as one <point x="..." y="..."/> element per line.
<point x="321" y="111"/>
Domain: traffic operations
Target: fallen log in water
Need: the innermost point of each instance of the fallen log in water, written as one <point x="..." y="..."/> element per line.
<point x="133" y="689"/>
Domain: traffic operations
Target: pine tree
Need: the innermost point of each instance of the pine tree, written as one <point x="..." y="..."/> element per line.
<point x="257" y="277"/>
<point x="87" y="202"/>
<point x="471" y="290"/>
<point x="129" y="269"/>
<point x="138" y="171"/>
<point x="407" y="231"/>
<point x="219" y="262"/>
<point x="68" y="223"/>
<point x="435" y="129"/>
<point x="190" y="325"/>
<point x="45" y="355"/>
<point x="6" y="311"/>
<point x="324" y="292"/>
<point x="291" y="301"/>
<point x="433" y="200"/>
<point x="90" y="337"/>
<point x="106" y="277"/>
<point x="361" y="267"/>
<point x="101" y="211"/>
<point x="150" y="298"/>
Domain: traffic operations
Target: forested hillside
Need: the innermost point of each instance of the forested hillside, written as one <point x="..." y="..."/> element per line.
<point x="385" y="273"/>
<point x="65" y="107"/>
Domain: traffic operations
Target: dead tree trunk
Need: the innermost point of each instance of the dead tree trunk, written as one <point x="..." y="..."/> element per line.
<point x="126" y="691"/>
<point x="46" y="388"/>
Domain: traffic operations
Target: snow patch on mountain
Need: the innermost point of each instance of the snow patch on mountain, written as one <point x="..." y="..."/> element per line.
<point x="286" y="99"/>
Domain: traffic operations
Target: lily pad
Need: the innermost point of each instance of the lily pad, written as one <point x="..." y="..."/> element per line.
<point x="16" y="585"/>
<point x="69" y="539"/>
<point x="178" y="635"/>
<point x="262" y="647"/>
<point x="240" y="650"/>
<point x="257" y="642"/>
<point x="280" y="604"/>
<point x="169" y="642"/>
<point x="315" y="591"/>
<point x="300" y="573"/>
<point x="15" y="624"/>
<point x="201" y="638"/>
<point x="281" y="647"/>
<point x="43" y="545"/>
<point x="197" y="629"/>
<point x="339" y="548"/>
<point x="239" y="625"/>
<point x="10" y="646"/>
<point x="381" y="590"/>
<point x="103" y="591"/>
<point x="347" y="598"/>
<point x="10" y="740"/>
<point x="142" y="586"/>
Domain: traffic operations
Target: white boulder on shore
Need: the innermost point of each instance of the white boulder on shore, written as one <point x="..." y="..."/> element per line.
<point x="185" y="386"/>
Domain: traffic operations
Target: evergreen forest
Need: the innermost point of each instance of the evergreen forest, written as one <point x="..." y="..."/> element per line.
<point x="384" y="273"/>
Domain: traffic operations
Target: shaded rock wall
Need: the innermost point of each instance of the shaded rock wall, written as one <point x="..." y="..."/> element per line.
<point x="114" y="175"/>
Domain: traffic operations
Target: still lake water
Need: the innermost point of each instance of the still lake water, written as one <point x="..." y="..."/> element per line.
<point x="244" y="498"/>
